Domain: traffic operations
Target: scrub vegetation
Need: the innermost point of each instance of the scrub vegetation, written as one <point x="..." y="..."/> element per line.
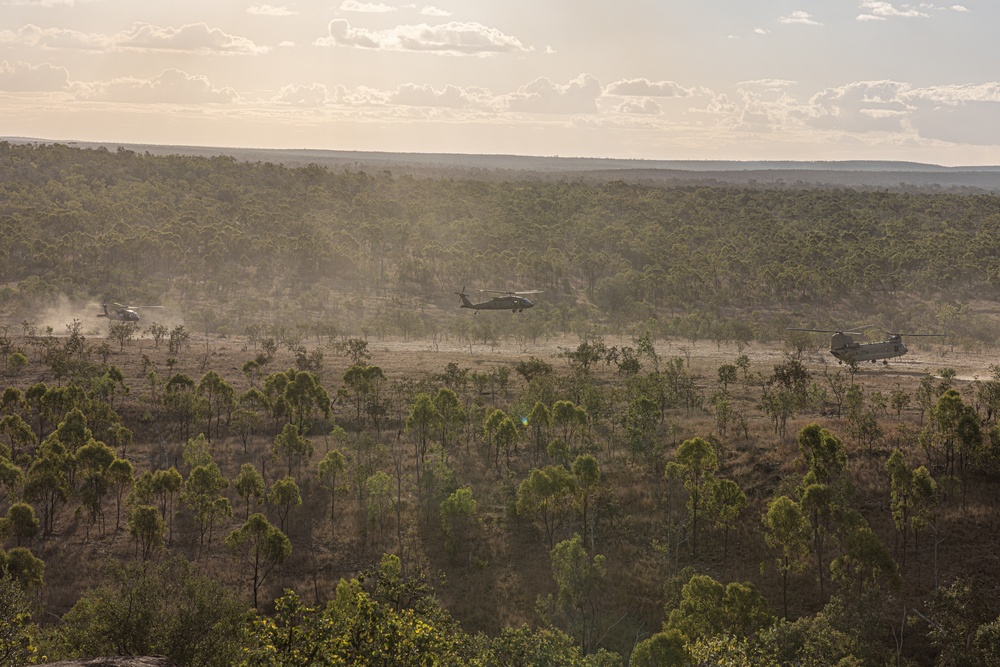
<point x="310" y="456"/>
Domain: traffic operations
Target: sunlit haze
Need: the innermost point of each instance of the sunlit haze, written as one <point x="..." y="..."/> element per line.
<point x="657" y="79"/>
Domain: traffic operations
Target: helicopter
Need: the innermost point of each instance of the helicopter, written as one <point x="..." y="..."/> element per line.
<point x="515" y="302"/>
<point x="846" y="349"/>
<point x="122" y="313"/>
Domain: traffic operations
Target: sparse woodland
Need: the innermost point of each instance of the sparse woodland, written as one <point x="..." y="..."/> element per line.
<point x="311" y="457"/>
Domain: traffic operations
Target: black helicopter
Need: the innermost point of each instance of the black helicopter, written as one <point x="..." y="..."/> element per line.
<point x="122" y="313"/>
<point x="515" y="302"/>
<point x="846" y="349"/>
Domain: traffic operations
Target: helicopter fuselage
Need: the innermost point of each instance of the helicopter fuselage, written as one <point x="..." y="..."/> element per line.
<point x="512" y="303"/>
<point x="120" y="314"/>
<point x="845" y="349"/>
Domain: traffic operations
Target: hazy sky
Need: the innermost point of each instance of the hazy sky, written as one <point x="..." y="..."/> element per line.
<point x="662" y="79"/>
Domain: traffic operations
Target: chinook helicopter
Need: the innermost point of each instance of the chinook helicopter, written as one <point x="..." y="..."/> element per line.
<point x="515" y="302"/>
<point x="847" y="350"/>
<point x="122" y="313"/>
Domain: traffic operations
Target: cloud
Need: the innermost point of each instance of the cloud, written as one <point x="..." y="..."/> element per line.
<point x="959" y="8"/>
<point x="864" y="106"/>
<point x="23" y="77"/>
<point x="366" y="7"/>
<point x="410" y="94"/>
<point x="542" y="96"/>
<point x="767" y="84"/>
<point x="270" y="10"/>
<point x="646" y="106"/>
<point x="445" y="39"/>
<point x="647" y="88"/>
<point x="431" y="10"/>
<point x="803" y="18"/>
<point x="172" y="86"/>
<point x="55" y="38"/>
<point x="313" y="95"/>
<point x="879" y="10"/>
<point x="761" y="31"/>
<point x="193" y="38"/>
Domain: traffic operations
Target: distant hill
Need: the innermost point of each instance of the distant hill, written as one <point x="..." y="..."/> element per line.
<point x="860" y="174"/>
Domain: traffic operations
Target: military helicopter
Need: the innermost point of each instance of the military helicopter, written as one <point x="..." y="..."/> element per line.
<point x="515" y="302"/>
<point x="122" y="313"/>
<point x="846" y="349"/>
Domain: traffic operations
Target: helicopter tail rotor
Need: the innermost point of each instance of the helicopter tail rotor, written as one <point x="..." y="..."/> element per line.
<point x="465" y="298"/>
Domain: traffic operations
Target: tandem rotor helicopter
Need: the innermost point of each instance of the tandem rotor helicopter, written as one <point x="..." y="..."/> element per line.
<point x="515" y="302"/>
<point x="122" y="313"/>
<point x="847" y="350"/>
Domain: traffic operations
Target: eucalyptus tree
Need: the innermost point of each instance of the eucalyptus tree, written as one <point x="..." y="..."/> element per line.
<point x="249" y="485"/>
<point x="787" y="529"/>
<point x="546" y="496"/>
<point x="694" y="465"/>
<point x="260" y="546"/>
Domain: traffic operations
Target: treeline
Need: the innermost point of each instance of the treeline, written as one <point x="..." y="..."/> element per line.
<point x="233" y="243"/>
<point x="756" y="515"/>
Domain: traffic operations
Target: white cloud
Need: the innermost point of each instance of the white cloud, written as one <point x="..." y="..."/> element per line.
<point x="411" y="94"/>
<point x="645" y="106"/>
<point x="22" y="77"/>
<point x="958" y="93"/>
<point x="877" y="9"/>
<point x="803" y="18"/>
<point x="761" y="31"/>
<point x="767" y="84"/>
<point x="864" y="106"/>
<point x="542" y="96"/>
<point x="313" y="95"/>
<point x="647" y="88"/>
<point x="366" y="7"/>
<point x="445" y="39"/>
<point x="959" y="8"/>
<point x="270" y="10"/>
<point x="193" y="38"/>
<point x="431" y="10"/>
<point x="55" y="38"/>
<point x="172" y="86"/>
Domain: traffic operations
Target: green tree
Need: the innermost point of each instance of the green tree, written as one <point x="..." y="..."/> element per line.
<point x="708" y="609"/>
<point x="695" y="466"/>
<point x="332" y="467"/>
<point x="146" y="526"/>
<point x="219" y="399"/>
<point x="23" y="523"/>
<point x="787" y="529"/>
<point x="17" y="632"/>
<point x="292" y="447"/>
<point x="580" y="583"/>
<point x="260" y="546"/>
<point x="458" y="519"/>
<point x="587" y="474"/>
<point x="249" y="485"/>
<point x="546" y="496"/>
<point x="202" y="493"/>
<point x="664" y="649"/>
<point x="283" y="494"/>
<point x="725" y="505"/>
<point x="423" y="419"/>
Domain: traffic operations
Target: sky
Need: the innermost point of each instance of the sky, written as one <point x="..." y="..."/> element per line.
<point x="636" y="79"/>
